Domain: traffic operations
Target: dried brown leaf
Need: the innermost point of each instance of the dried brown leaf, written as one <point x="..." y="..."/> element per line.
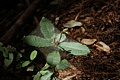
<point x="101" y="46"/>
<point x="72" y="23"/>
<point x="88" y="41"/>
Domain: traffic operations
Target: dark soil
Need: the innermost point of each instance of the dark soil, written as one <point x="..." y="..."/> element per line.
<point x="101" y="21"/>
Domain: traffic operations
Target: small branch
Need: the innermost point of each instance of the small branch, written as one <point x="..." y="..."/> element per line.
<point x="7" y="37"/>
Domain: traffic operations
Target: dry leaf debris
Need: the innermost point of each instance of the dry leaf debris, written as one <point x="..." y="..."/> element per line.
<point x="101" y="46"/>
<point x="88" y="41"/>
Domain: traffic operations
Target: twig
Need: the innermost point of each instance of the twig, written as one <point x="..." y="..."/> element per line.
<point x="22" y="20"/>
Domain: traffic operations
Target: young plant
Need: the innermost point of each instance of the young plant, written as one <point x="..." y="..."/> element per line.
<point x="52" y="39"/>
<point x="27" y="62"/>
<point x="54" y="63"/>
<point x="7" y="54"/>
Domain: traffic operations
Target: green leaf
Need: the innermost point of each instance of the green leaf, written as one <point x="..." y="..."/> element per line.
<point x="7" y="62"/>
<point x="53" y="58"/>
<point x="54" y="78"/>
<point x="75" y="48"/>
<point x="47" y="28"/>
<point x="1" y="44"/>
<point x="10" y="49"/>
<point x="60" y="37"/>
<point x="37" y="76"/>
<point x="5" y="52"/>
<point x="63" y="65"/>
<point x="19" y="65"/>
<point x="1" y="49"/>
<point x="47" y="76"/>
<point x="38" y="41"/>
<point x="46" y="66"/>
<point x="25" y="63"/>
<point x="33" y="55"/>
<point x="44" y="72"/>
<point x="19" y="55"/>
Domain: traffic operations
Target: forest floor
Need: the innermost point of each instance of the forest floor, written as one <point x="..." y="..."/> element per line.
<point x="101" y="21"/>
